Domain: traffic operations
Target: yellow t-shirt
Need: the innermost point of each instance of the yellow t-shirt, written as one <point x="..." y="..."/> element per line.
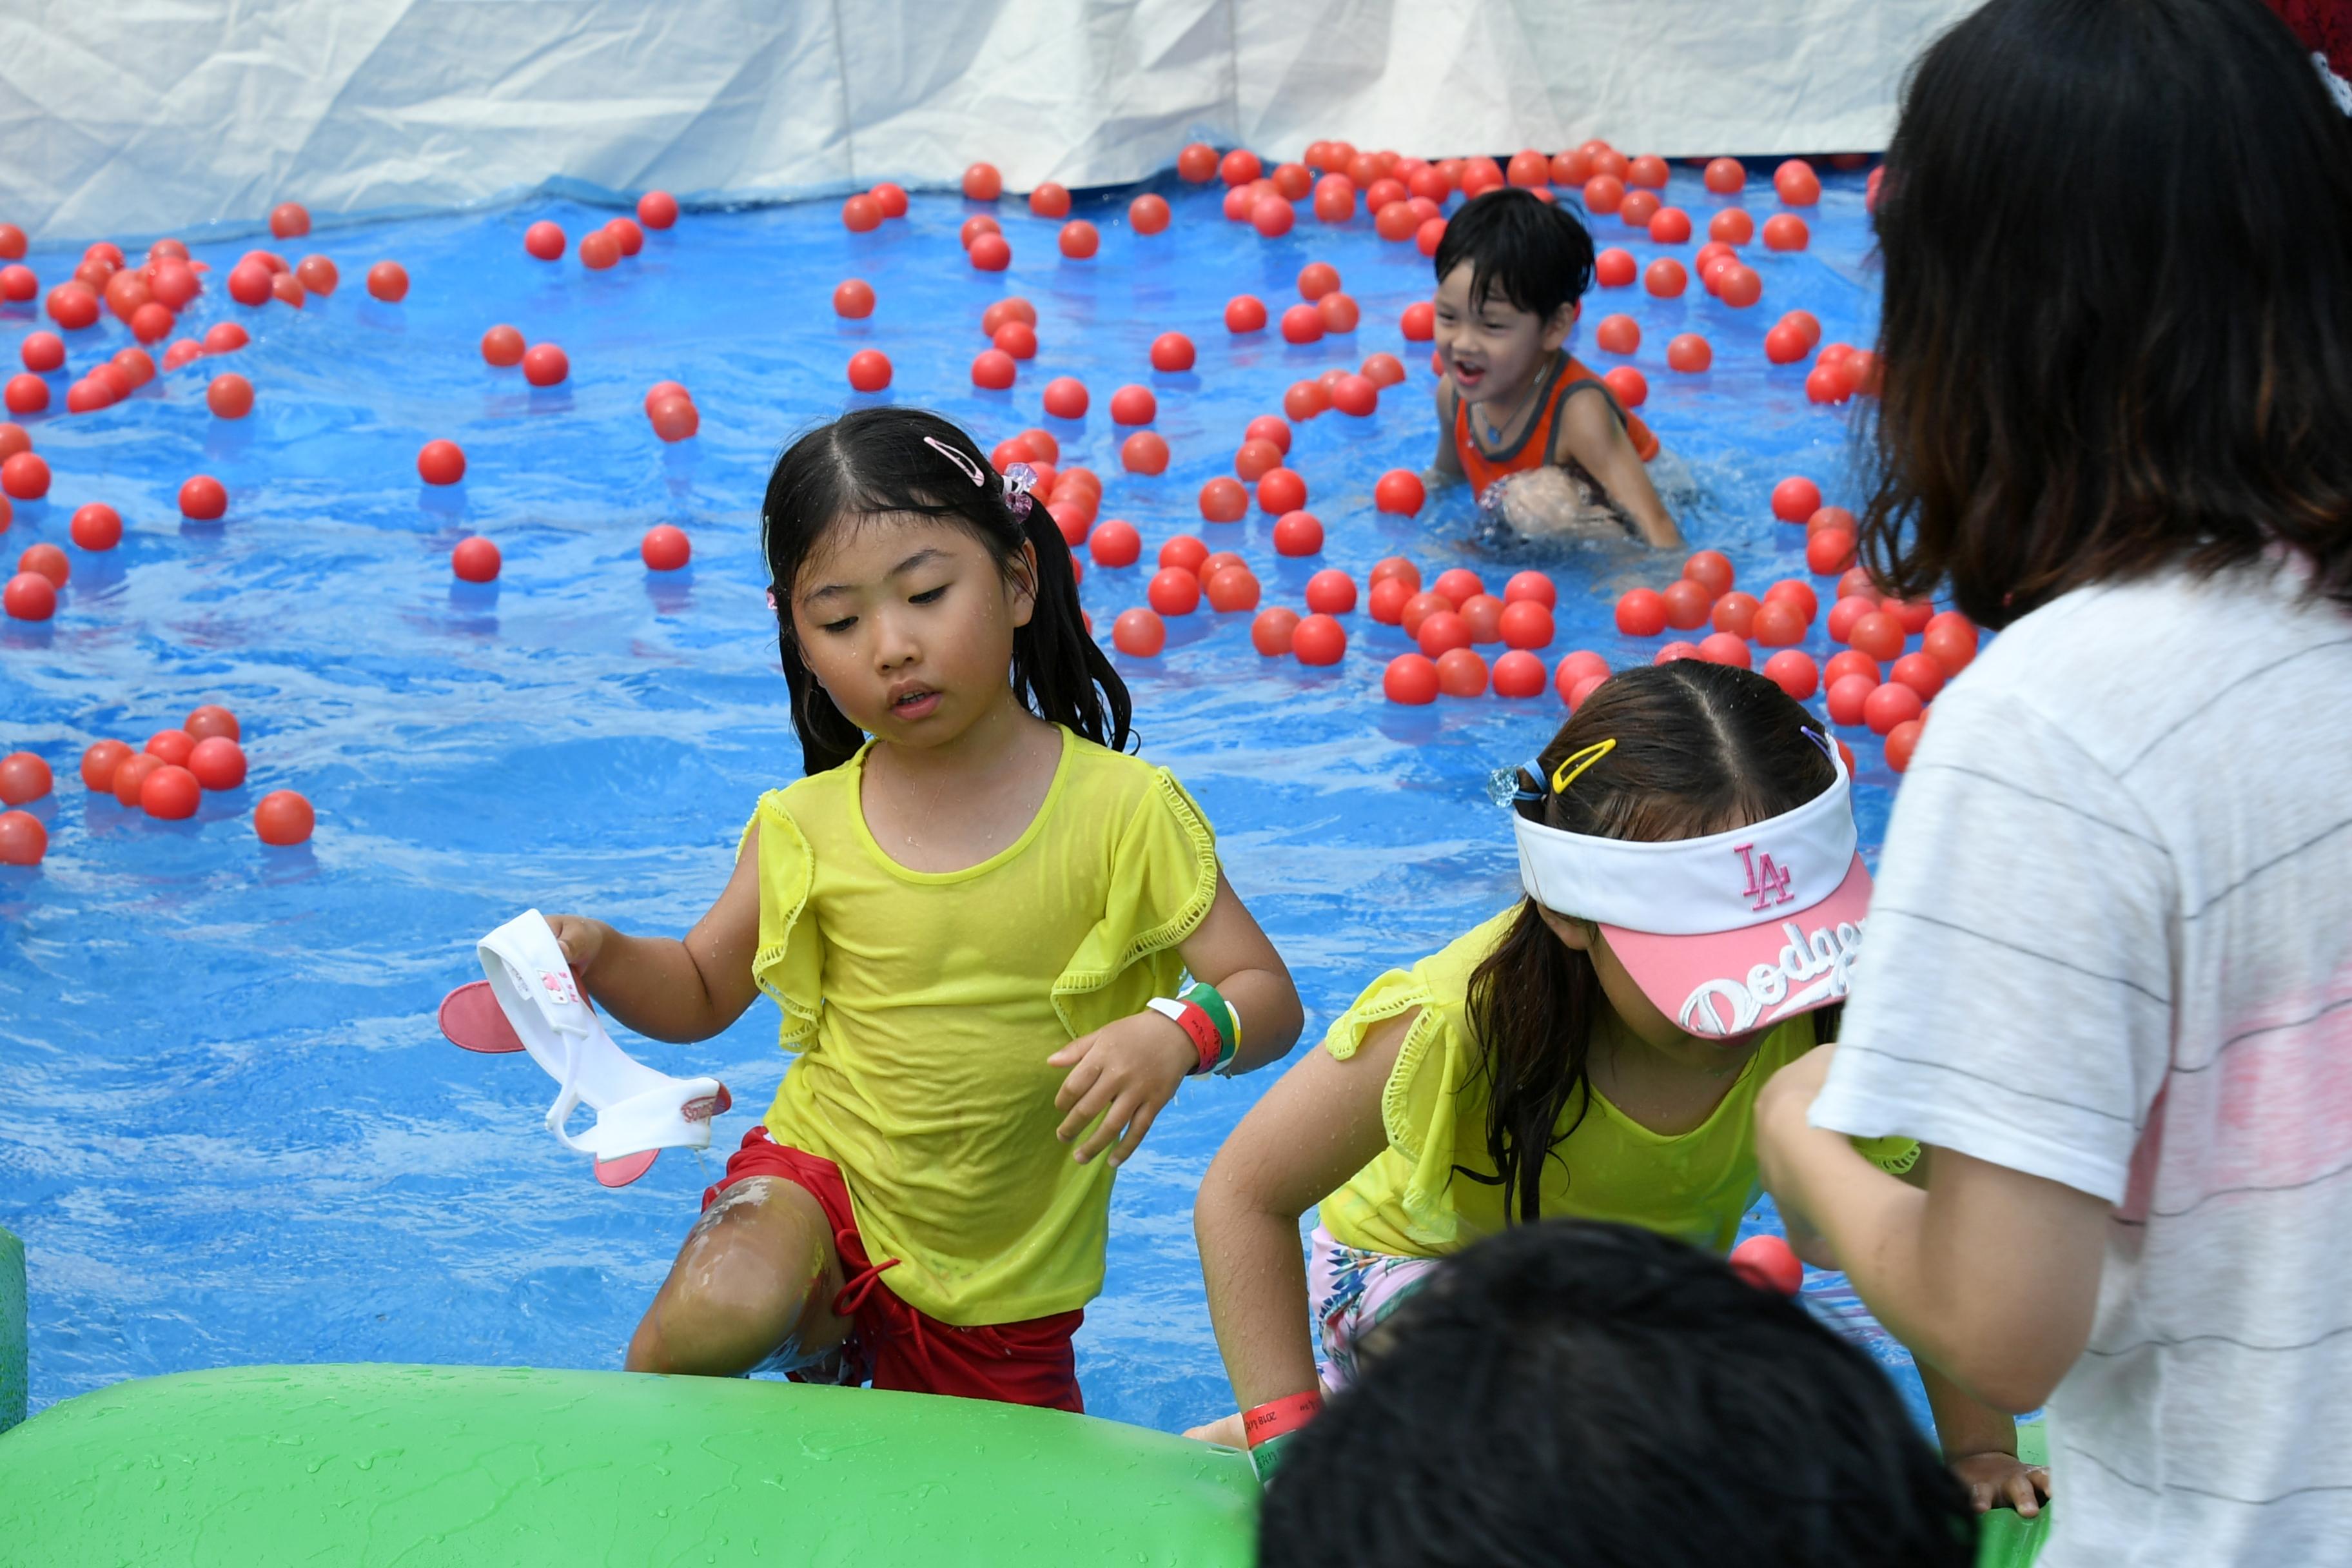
<point x="923" y="1007"/>
<point x="1410" y="1202"/>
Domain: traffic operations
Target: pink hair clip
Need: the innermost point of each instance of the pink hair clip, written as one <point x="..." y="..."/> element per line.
<point x="963" y="463"/>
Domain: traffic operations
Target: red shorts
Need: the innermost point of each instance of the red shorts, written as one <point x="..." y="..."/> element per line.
<point x="1029" y="1362"/>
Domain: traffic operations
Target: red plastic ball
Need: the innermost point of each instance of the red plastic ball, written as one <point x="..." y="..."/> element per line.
<point x="1832" y="550"/>
<point x="23" y="839"/>
<point x="544" y="365"/>
<point x="1318" y="640"/>
<point x="543" y="239"/>
<point x="1272" y="217"/>
<point x="1689" y="354"/>
<point x="1848" y="662"/>
<point x="1798" y="594"/>
<point x="1066" y="397"/>
<point x="1665" y="277"/>
<point x="282" y="818"/>
<point x="1331" y="591"/>
<point x="1147" y="214"/>
<point x="437" y="463"/>
<point x="25" y="394"/>
<point x="1483" y="614"/>
<point x="1295" y="532"/>
<point x="1175" y="592"/>
<point x="1796" y="184"/>
<point x="217" y="763"/>
<point x="1410" y="679"/>
<point x="1223" y="501"/>
<point x="1878" y="634"/>
<point x="981" y="183"/>
<point x="1677" y="649"/>
<point x="1399" y="490"/>
<point x="1919" y="671"/>
<point x="131" y="774"/>
<point x="1767" y="1261"/>
<point x="1849" y="609"/>
<point x="1239" y="166"/>
<point x="657" y="209"/>
<point x="1079" y="239"/>
<point x="1603" y="194"/>
<point x="1133" y="405"/>
<point x="1272" y="631"/>
<point x="861" y="213"/>
<point x="171" y="745"/>
<point x="1891" y="704"/>
<point x="1317" y="279"/>
<point x="48" y="560"/>
<point x="1245" y="313"/>
<point x="1775" y="623"/>
<point x="1145" y="452"/>
<point x="1796" y="499"/>
<point x="24" y="776"/>
<point x="475" y="559"/>
<point x="1711" y="570"/>
<point x="1725" y="176"/>
<point x="993" y="370"/>
<point x="852" y="298"/>
<point x="665" y="548"/>
<point x="1950" y="640"/>
<point x="1418" y="606"/>
<point x="1231" y="590"/>
<point x="289" y="220"/>
<point x="211" y="718"/>
<point x="991" y="252"/>
<point x="29" y="597"/>
<point x="1355" y="395"/>
<point x="1735" y="612"/>
<point x="205" y="498"/>
<point x="1723" y="647"/>
<point x="1302" y="324"/>
<point x="1617" y="336"/>
<point x="170" y="793"/>
<point x="1786" y="231"/>
<point x="230" y="396"/>
<point x="502" y="346"/>
<point x="1115" y="543"/>
<point x="1439" y="631"/>
<point x="1459" y="585"/>
<point x="869" y="370"/>
<point x="24" y="476"/>
<point x="1461" y="673"/>
<point x="1642" y="612"/>
<point x="96" y="526"/>
<point x="99" y="764"/>
<point x="1687" y="604"/>
<point x="673" y="419"/>
<point x="1526" y="624"/>
<point x="1902" y="743"/>
<point x="1185" y="552"/>
<point x="1848" y="697"/>
<point x="1794" y="672"/>
<point x="1171" y="353"/>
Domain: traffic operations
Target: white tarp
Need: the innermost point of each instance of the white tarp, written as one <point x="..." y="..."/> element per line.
<point x="134" y="117"/>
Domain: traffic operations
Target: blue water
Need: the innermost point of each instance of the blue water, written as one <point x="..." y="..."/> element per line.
<point x="229" y="1130"/>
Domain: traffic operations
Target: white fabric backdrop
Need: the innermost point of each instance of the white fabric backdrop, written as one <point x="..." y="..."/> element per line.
<point x="131" y="116"/>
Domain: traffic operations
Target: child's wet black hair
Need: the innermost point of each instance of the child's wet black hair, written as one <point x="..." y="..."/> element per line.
<point x="1573" y="1394"/>
<point x="1529" y="251"/>
<point x="877" y="461"/>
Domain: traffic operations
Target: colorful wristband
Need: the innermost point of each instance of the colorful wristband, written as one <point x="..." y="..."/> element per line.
<point x="1225" y="1016"/>
<point x="1267" y="1428"/>
<point x="1196" y="1023"/>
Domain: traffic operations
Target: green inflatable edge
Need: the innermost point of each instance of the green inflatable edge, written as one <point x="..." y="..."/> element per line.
<point x="425" y="1466"/>
<point x="13" y="1318"/>
<point x="437" y="1466"/>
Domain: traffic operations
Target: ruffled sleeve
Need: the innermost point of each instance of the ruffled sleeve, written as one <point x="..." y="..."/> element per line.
<point x="1420" y="1103"/>
<point x="789" y="963"/>
<point x="1163" y="878"/>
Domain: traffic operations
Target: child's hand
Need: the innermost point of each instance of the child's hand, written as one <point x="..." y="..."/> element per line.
<point x="581" y="939"/>
<point x="2002" y="1481"/>
<point x="1123" y="1072"/>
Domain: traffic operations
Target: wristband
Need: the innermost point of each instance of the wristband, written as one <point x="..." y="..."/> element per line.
<point x="1197" y="1026"/>
<point x="1268" y="1429"/>
<point x="1225" y="1016"/>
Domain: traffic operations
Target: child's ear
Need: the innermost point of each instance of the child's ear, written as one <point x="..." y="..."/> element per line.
<point x="1023" y="586"/>
<point x="1561" y="323"/>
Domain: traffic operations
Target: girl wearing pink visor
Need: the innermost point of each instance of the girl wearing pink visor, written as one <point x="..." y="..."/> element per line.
<point x="1692" y="911"/>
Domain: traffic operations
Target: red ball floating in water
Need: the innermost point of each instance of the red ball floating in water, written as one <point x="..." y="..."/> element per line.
<point x="1400" y="491"/>
<point x="544" y="365"/>
<point x="97" y="526"/>
<point x="1518" y="674"/>
<point x="1331" y="591"/>
<point x="852" y="298"/>
<point x="1603" y="194"/>
<point x="981" y="183"/>
<point x="860" y="214"/>
<point x="1066" y="397"/>
<point x="1689" y="354"/>
<point x="1768" y="1262"/>
<point x="217" y="763"/>
<point x="1171" y="353"/>
<point x="1786" y="231"/>
<point x="1306" y="399"/>
<point x="170" y="793"/>
<point x="1223" y="501"/>
<point x="502" y="346"/>
<point x="1796" y="184"/>
<point x="24" y="475"/>
<point x="543" y="239"/>
<point x="1878" y="634"/>
<point x="23" y="839"/>
<point x="25" y="394"/>
<point x="437" y="463"/>
<point x="1115" y="543"/>
<point x="657" y="209"/>
<point x="130" y="775"/>
<point x="43" y="352"/>
<point x="1793" y="671"/>
<point x="1723" y="647"/>
<point x="388" y="282"/>
<point x="211" y="718"/>
<point x="1297" y="533"/>
<point x="1173" y="591"/>
<point x="99" y="764"/>
<point x="74" y="306"/>
<point x="289" y="220"/>
<point x="48" y="560"/>
<point x="1617" y="336"/>
<point x="1725" y="176"/>
<point x="1147" y="214"/>
<point x="1139" y="633"/>
<point x="1950" y="640"/>
<point x="1318" y="640"/>
<point x="1145" y="452"/>
<point x="24" y="776"/>
<point x="991" y="252"/>
<point x="1192" y="554"/>
<point x="204" y="500"/>
<point x="994" y="369"/>
<point x="1797" y="499"/>
<point x="1080" y="239"/>
<point x="627" y="234"/>
<point x="1317" y="279"/>
<point x="1133" y="405"/>
<point x="1355" y="395"/>
<point x="1687" y="604"/>
<point x="1891" y="704"/>
<point x="1642" y="612"/>
<point x="475" y="559"/>
<point x="1410" y="679"/>
<point x="665" y="548"/>
<point x="283" y="818"/>
<point x="675" y="418"/>
<point x="1665" y="277"/>
<point x="318" y="274"/>
<point x="869" y="370"/>
<point x="1245" y="313"/>
<point x="230" y="396"/>
<point x="1232" y="589"/>
<point x="1526" y="624"/>
<point x="1302" y="324"/>
<point x="29" y="597"/>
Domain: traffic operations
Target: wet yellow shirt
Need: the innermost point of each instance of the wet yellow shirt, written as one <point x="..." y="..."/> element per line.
<point x="922" y="1006"/>
<point x="1410" y="1202"/>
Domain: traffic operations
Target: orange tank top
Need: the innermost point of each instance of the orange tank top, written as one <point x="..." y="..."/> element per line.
<point x="1565" y="375"/>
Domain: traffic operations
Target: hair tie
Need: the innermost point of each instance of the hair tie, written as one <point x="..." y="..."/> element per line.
<point x="962" y="460"/>
<point x="1019" y="479"/>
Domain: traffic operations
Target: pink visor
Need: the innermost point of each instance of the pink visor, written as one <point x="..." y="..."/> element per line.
<point x="1794" y="958"/>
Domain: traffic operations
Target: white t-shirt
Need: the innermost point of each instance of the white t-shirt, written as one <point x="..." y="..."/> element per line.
<point x="2111" y="945"/>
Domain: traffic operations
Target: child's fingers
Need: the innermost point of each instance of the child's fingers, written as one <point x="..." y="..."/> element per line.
<point x="1082" y="1077"/>
<point x="1106" y="1132"/>
<point x="1133" y="1138"/>
<point x="2024" y="1495"/>
<point x="1089" y="1105"/>
<point x="1073" y="1052"/>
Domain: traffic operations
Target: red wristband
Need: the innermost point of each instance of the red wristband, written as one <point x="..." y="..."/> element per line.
<point x="1277" y="1416"/>
<point x="1195" y="1020"/>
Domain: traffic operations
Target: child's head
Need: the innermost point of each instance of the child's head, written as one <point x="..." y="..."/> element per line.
<point x="1510" y="270"/>
<point x="1577" y="1393"/>
<point x="1656" y="755"/>
<point x="909" y="579"/>
<point x="2117" y="330"/>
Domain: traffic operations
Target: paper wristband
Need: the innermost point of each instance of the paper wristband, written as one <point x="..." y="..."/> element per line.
<point x="1280" y="1417"/>
<point x="1189" y="1017"/>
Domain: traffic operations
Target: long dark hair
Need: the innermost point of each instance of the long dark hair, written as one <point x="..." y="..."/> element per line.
<point x="877" y="461"/>
<point x="2117" y="333"/>
<point x="1700" y="748"/>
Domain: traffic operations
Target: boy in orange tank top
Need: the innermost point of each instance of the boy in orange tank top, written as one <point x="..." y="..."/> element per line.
<point x="1540" y="438"/>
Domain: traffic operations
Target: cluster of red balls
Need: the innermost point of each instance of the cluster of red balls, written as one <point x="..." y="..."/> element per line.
<point x="1450" y="618"/>
<point x="166" y="779"/>
<point x="603" y="247"/>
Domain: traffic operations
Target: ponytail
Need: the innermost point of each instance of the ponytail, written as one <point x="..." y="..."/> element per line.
<point x="880" y="460"/>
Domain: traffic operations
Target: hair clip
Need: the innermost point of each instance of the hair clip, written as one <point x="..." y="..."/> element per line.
<point x="1573" y="765"/>
<point x="962" y="460"/>
<point x="771" y="601"/>
<point x="1019" y="479"/>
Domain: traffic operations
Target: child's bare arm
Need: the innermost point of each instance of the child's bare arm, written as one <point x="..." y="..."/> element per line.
<point x="1315" y="1128"/>
<point x="1446" y="466"/>
<point x="669" y="989"/>
<point x="1127" y="1072"/>
<point x="1590" y="432"/>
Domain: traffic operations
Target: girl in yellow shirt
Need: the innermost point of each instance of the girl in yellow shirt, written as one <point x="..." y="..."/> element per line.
<point x="1694" y="906"/>
<point x="973" y="913"/>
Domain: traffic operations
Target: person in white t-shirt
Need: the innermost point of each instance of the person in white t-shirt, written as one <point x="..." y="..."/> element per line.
<point x="2109" y="981"/>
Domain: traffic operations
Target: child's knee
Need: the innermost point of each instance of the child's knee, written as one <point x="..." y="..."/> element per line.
<point x="744" y="1280"/>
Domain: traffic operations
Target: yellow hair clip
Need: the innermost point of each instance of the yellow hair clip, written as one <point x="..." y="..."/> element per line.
<point x="1573" y="765"/>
